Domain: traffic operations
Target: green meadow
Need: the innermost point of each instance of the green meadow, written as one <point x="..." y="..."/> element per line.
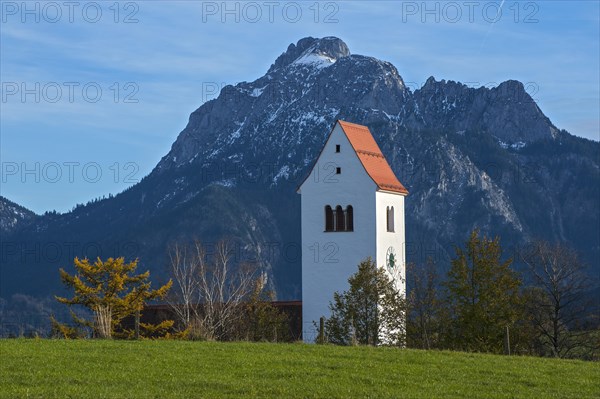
<point x="39" y="368"/>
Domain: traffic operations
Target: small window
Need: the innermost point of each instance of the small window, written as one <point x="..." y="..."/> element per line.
<point x="390" y="219"/>
<point x="338" y="171"/>
<point x="340" y="220"/>
<point x="337" y="148"/>
<point x="349" y="218"/>
<point x="328" y="218"/>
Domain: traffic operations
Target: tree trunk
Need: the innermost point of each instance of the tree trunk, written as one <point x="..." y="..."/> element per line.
<point x="137" y="324"/>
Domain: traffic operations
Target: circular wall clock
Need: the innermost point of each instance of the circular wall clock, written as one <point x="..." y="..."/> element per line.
<point x="391" y="261"/>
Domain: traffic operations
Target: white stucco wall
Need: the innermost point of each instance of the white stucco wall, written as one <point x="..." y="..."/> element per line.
<point x="387" y="239"/>
<point x="330" y="258"/>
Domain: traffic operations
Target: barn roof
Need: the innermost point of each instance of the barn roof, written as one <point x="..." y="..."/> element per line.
<point x="371" y="157"/>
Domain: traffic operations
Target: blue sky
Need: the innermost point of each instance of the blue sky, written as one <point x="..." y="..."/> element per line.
<point x="93" y="94"/>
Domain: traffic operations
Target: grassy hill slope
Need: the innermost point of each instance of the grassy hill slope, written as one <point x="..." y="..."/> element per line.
<point x="183" y="369"/>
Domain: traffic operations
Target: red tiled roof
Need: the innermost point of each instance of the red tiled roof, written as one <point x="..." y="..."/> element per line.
<point x="370" y="156"/>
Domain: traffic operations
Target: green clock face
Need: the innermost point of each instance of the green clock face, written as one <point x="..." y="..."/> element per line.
<point x="391" y="260"/>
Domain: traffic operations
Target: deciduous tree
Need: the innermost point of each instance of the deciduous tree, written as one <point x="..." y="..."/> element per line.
<point x="424" y="305"/>
<point x="558" y="305"/>
<point x="184" y="267"/>
<point x="483" y="295"/>
<point x="215" y="298"/>
<point x="371" y="312"/>
<point x="262" y="320"/>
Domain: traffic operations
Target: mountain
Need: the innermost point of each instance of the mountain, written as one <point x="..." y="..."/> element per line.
<point x="13" y="216"/>
<point x="470" y="157"/>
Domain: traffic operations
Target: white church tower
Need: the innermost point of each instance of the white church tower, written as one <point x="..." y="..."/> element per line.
<point x="352" y="208"/>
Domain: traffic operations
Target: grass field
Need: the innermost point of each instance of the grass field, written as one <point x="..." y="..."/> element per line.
<point x="183" y="369"/>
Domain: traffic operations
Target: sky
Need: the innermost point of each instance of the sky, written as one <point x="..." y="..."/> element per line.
<point x="93" y="94"/>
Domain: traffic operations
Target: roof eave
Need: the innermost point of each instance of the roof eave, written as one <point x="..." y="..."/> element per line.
<point x="397" y="192"/>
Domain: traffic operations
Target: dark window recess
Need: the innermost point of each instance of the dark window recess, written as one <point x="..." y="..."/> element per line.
<point x="337" y="148"/>
<point x="349" y="218"/>
<point x="328" y="218"/>
<point x="390" y="218"/>
<point x="339" y="219"/>
<point x="338" y="171"/>
<point x="340" y="222"/>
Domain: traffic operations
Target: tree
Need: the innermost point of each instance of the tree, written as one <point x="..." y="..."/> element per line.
<point x="262" y="320"/>
<point x="558" y="305"/>
<point x="111" y="290"/>
<point x="217" y="299"/>
<point x="371" y="312"/>
<point x="483" y="295"/>
<point x="424" y="305"/>
<point x="184" y="268"/>
<point x="223" y="290"/>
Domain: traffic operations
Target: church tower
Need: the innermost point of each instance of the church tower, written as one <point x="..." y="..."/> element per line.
<point x="352" y="208"/>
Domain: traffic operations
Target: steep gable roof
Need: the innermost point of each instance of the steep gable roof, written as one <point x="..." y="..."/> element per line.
<point x="370" y="156"/>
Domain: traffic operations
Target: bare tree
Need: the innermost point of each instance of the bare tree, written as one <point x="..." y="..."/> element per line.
<point x="558" y="306"/>
<point x="184" y="265"/>
<point x="223" y="290"/>
<point x="210" y="292"/>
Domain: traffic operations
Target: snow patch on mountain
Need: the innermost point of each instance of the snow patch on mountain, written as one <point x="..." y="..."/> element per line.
<point x="258" y="91"/>
<point x="316" y="60"/>
<point x="283" y="172"/>
<point x="513" y="146"/>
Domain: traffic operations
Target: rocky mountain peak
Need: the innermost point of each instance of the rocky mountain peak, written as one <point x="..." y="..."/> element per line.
<point x="310" y="49"/>
<point x="317" y="80"/>
<point x="507" y="111"/>
<point x="433" y="83"/>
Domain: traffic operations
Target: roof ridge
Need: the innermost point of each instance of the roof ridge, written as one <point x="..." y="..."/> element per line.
<point x="363" y="127"/>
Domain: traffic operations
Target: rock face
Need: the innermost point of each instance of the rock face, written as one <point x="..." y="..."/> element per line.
<point x="506" y="112"/>
<point x="327" y="47"/>
<point x="470" y="157"/>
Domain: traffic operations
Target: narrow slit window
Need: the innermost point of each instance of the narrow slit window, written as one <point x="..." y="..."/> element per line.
<point x="349" y="218"/>
<point x="338" y="170"/>
<point x="340" y="222"/>
<point x="328" y="218"/>
<point x="390" y="218"/>
<point x="337" y="148"/>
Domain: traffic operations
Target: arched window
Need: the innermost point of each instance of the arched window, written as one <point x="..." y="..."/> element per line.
<point x="340" y="224"/>
<point x="328" y="218"/>
<point x="390" y="219"/>
<point x="349" y="218"/>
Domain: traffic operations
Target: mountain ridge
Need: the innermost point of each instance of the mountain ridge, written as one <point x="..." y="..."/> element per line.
<point x="13" y="215"/>
<point x="470" y="157"/>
